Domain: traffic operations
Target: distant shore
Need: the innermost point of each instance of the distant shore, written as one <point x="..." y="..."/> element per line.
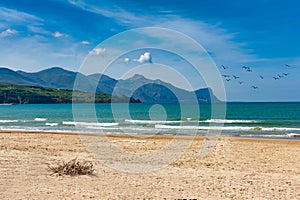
<point x="236" y="168"/>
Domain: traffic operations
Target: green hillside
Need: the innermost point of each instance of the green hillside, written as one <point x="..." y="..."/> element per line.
<point x="18" y="94"/>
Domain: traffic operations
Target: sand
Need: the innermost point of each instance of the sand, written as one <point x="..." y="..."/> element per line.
<point x="236" y="168"/>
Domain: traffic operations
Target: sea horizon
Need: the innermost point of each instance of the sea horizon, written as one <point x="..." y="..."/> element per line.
<point x="246" y="119"/>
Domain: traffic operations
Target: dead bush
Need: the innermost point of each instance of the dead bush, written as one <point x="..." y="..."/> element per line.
<point x="72" y="168"/>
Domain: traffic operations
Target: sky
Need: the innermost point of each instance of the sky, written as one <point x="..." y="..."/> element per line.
<point x="260" y="34"/>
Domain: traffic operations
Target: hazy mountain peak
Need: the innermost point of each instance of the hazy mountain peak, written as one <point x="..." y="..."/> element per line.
<point x="136" y="77"/>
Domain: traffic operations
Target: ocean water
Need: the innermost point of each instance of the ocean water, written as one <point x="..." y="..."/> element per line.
<point x="275" y="120"/>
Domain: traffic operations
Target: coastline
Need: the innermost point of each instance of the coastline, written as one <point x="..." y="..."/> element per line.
<point x="237" y="168"/>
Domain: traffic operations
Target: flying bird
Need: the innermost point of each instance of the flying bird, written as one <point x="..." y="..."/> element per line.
<point x="224" y="67"/>
<point x="225" y="75"/>
<point x="254" y="87"/>
<point x="279" y="76"/>
<point x="275" y="78"/>
<point x="228" y="79"/>
<point x="235" y="77"/>
<point x="287" y="65"/>
<point x="261" y="76"/>
<point x="285" y="74"/>
<point x="241" y="82"/>
<point x="248" y="69"/>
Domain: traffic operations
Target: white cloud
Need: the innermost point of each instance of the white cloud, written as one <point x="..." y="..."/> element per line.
<point x="8" y="32"/>
<point x="220" y="42"/>
<point x="126" y="60"/>
<point x="120" y="15"/>
<point x="11" y="15"/>
<point x="59" y="34"/>
<point x="85" y="42"/>
<point x="97" y="51"/>
<point x="146" y="57"/>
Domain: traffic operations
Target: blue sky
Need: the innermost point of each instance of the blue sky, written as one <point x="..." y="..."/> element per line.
<point x="261" y="34"/>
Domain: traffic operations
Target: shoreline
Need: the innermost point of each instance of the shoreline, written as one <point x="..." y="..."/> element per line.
<point x="234" y="135"/>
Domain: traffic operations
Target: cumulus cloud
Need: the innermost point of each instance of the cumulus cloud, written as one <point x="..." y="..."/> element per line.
<point x="126" y="60"/>
<point x="97" y="51"/>
<point x="59" y="34"/>
<point x="146" y="57"/>
<point x="8" y="32"/>
<point x="85" y="42"/>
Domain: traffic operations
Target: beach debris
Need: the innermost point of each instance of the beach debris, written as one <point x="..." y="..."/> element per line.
<point x="73" y="168"/>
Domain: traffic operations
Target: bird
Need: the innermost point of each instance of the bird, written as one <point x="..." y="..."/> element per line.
<point x="235" y="77"/>
<point x="241" y="82"/>
<point x="254" y="87"/>
<point x="228" y="79"/>
<point x="224" y="67"/>
<point x="225" y="75"/>
<point x="287" y="65"/>
<point x="276" y="78"/>
<point x="279" y="76"/>
<point x="248" y="69"/>
<point x="261" y="76"/>
<point x="285" y="74"/>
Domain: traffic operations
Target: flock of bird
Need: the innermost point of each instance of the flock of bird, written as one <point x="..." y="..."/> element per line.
<point x="249" y="70"/>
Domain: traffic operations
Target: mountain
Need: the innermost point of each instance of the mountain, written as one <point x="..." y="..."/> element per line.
<point x="138" y="87"/>
<point x="153" y="91"/>
<point x="19" y="94"/>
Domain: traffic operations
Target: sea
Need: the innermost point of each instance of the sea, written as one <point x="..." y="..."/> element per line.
<point x="263" y="120"/>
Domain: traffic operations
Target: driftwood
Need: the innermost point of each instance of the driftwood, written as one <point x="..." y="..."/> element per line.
<point x="73" y="168"/>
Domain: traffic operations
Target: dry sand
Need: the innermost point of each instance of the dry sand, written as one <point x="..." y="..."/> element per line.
<point x="236" y="168"/>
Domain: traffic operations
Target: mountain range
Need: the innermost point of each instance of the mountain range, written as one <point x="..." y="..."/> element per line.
<point x="137" y="87"/>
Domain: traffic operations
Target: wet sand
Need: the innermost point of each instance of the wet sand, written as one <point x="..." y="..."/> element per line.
<point x="236" y="168"/>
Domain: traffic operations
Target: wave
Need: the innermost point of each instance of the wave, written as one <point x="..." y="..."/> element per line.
<point x="40" y="119"/>
<point x="8" y="121"/>
<point x="229" y="121"/>
<point x="217" y="121"/>
<point x="293" y="135"/>
<point x="227" y="128"/>
<point x="89" y="124"/>
<point x="51" y="124"/>
<point x="134" y="121"/>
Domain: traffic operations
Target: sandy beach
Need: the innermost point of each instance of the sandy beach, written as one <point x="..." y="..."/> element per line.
<point x="236" y="168"/>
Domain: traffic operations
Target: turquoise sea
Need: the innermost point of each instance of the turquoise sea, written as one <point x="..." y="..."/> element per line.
<point x="276" y="120"/>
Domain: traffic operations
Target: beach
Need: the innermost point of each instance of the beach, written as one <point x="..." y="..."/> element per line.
<point x="236" y="168"/>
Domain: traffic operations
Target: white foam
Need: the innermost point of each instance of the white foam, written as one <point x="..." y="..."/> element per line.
<point x="150" y="121"/>
<point x="68" y="123"/>
<point x="51" y="124"/>
<point x="229" y="121"/>
<point x="8" y="121"/>
<point x="227" y="128"/>
<point x="40" y="119"/>
<point x="90" y="124"/>
<point x="217" y="121"/>
<point x="293" y="135"/>
<point x="266" y="136"/>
